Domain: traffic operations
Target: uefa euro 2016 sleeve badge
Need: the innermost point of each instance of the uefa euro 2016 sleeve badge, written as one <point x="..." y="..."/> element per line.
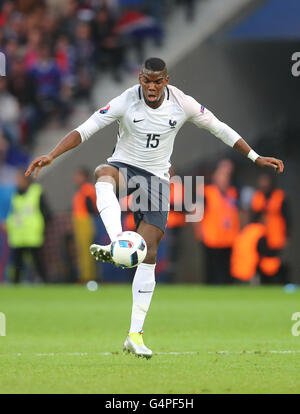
<point x="104" y="109"/>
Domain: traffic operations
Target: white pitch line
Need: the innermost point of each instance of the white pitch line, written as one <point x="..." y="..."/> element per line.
<point x="177" y="353"/>
<point x="53" y="354"/>
<point x="294" y="351"/>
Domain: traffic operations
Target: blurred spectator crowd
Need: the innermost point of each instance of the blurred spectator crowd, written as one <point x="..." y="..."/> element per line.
<point x="241" y="238"/>
<point x="54" y="50"/>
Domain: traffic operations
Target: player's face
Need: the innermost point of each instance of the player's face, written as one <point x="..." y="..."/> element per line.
<point x="153" y="84"/>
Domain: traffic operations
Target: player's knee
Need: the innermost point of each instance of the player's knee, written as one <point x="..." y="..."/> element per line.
<point x="99" y="171"/>
<point x="105" y="173"/>
<point x="151" y="254"/>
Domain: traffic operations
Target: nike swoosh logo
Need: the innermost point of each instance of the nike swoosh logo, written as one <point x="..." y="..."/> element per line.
<point x="145" y="291"/>
<point x="137" y="120"/>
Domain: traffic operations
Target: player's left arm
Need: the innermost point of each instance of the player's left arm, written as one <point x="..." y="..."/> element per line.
<point x="204" y="118"/>
<point x="271" y="162"/>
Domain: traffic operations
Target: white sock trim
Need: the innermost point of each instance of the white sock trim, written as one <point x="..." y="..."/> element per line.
<point x="100" y="184"/>
<point x="147" y="265"/>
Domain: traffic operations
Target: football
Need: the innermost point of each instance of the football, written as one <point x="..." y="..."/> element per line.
<point x="129" y="249"/>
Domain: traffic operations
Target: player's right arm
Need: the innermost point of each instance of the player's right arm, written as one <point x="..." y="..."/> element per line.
<point x="72" y="140"/>
<point x="104" y="116"/>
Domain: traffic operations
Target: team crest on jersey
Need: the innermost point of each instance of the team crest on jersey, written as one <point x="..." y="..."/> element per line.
<point x="172" y="123"/>
<point x="202" y="109"/>
<point x="104" y="109"/>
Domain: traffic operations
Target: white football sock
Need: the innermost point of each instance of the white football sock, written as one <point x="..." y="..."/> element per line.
<point x="142" y="290"/>
<point x="109" y="208"/>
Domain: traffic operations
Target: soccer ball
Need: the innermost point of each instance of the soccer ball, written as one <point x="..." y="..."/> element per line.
<point x="129" y="249"/>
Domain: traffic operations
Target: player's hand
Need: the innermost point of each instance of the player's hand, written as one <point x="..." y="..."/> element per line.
<point x="37" y="164"/>
<point x="270" y="162"/>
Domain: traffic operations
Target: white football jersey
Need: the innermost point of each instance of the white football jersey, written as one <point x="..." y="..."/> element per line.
<point x="146" y="136"/>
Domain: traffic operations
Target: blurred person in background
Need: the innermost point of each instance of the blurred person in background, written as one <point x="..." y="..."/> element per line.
<point x="9" y="113"/>
<point x="36" y="16"/>
<point x="135" y="27"/>
<point x="25" y="225"/>
<point x="65" y="57"/>
<point x="245" y="196"/>
<point x="21" y="85"/>
<point x="7" y="172"/>
<point x="110" y="50"/>
<point x="84" y="210"/>
<point x="48" y="78"/>
<point x="156" y="9"/>
<point x="220" y="224"/>
<point x="68" y="20"/>
<point x="270" y="201"/>
<point x="33" y="42"/>
<point x="176" y="222"/>
<point x="8" y="7"/>
<point x="51" y="24"/>
<point x="11" y="51"/>
<point x="85" y="50"/>
<point x="11" y="122"/>
<point x="8" y="176"/>
<point x="189" y="6"/>
<point x="251" y="255"/>
<point x="25" y="6"/>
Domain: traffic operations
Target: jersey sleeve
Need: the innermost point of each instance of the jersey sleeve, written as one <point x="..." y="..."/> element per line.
<point x="104" y="116"/>
<point x="203" y="118"/>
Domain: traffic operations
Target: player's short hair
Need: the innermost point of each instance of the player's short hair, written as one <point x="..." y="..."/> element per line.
<point x="155" y="64"/>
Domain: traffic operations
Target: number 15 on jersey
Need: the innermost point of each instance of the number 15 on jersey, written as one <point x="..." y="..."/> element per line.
<point x="152" y="140"/>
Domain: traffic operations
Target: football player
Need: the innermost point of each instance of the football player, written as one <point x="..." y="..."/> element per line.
<point x="149" y="115"/>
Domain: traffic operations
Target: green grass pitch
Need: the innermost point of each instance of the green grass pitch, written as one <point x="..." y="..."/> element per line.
<point x="66" y="339"/>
